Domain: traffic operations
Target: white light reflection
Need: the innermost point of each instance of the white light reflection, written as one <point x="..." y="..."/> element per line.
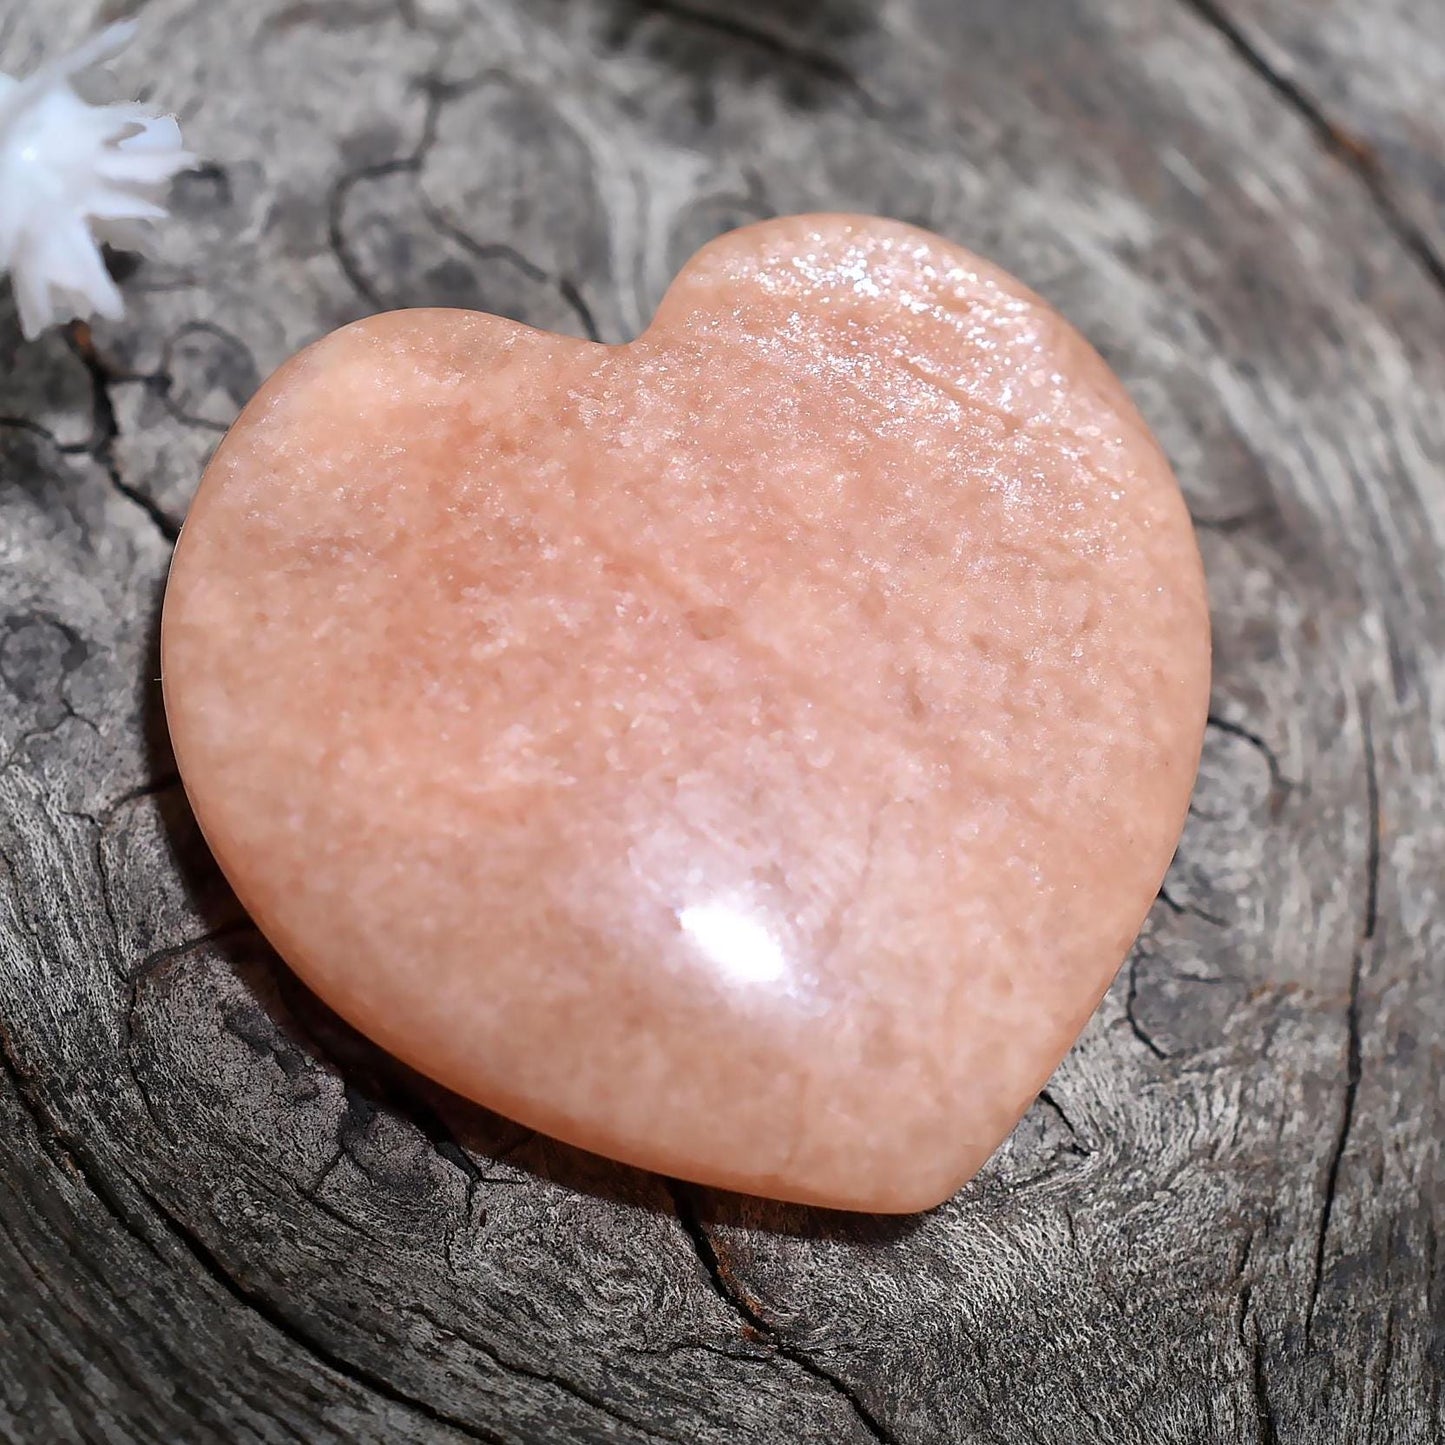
<point x="740" y="946"/>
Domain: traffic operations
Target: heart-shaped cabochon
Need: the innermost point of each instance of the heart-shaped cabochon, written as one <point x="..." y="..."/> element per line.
<point x="747" y="752"/>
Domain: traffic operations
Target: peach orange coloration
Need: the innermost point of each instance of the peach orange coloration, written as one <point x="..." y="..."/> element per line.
<point x="748" y="752"/>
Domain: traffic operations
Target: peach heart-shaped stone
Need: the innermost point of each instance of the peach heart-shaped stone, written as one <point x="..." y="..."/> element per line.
<point x="748" y="752"/>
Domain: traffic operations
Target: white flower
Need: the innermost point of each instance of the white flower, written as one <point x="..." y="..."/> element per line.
<point x="72" y="176"/>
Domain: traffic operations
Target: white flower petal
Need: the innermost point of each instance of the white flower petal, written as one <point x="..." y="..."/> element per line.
<point x="71" y="173"/>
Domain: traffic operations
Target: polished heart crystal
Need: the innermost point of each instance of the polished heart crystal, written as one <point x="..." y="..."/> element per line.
<point x="748" y="752"/>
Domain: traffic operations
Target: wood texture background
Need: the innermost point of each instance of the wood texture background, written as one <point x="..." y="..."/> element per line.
<point x="224" y="1217"/>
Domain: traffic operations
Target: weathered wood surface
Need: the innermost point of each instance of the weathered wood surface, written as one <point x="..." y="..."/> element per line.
<point x="1360" y="76"/>
<point x="223" y="1217"/>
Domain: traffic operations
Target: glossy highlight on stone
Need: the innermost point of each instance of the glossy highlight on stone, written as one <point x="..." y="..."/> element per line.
<point x="748" y="752"/>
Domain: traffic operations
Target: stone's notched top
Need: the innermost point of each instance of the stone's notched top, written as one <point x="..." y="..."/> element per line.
<point x="748" y="752"/>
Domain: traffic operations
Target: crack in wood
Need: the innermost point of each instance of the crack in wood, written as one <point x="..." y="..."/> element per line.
<point x="754" y="1325"/>
<point x="1278" y="781"/>
<point x="508" y="1366"/>
<point x="1353" y="1056"/>
<point x="261" y="1307"/>
<point x="101" y="447"/>
<point x="1130" y="1000"/>
<point x="1187" y="910"/>
<point x="67" y="1150"/>
<point x="1354" y="154"/>
<point x="439" y="93"/>
<point x="788" y="52"/>
<point x="1259" y="1380"/>
<point x="1075" y="1144"/>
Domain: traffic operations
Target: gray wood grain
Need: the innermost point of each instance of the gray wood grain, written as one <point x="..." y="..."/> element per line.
<point x="224" y="1217"/>
<point x="1361" y="76"/>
